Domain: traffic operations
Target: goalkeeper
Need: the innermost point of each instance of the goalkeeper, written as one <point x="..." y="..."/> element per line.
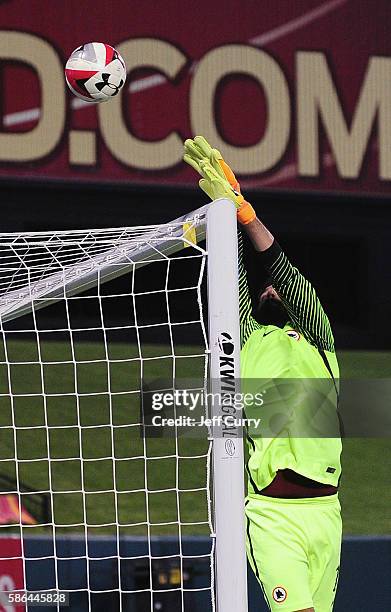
<point x="292" y="507"/>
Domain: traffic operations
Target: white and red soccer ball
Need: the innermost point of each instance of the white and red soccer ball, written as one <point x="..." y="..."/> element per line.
<point x="95" y="72"/>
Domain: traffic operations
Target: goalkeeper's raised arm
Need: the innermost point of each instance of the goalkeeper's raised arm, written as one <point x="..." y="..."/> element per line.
<point x="287" y="286"/>
<point x="296" y="293"/>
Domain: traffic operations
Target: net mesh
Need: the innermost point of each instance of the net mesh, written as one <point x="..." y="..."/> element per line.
<point x="89" y="504"/>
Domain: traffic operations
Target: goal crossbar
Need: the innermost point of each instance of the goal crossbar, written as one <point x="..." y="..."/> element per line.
<point x="136" y="245"/>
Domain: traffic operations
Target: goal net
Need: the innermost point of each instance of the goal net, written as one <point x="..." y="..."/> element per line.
<point x="95" y="501"/>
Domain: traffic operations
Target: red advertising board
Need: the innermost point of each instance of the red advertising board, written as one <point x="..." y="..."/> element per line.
<point x="297" y="95"/>
<point x="11" y="572"/>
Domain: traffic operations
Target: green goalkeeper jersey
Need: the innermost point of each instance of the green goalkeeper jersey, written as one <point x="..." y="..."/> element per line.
<point x="296" y="371"/>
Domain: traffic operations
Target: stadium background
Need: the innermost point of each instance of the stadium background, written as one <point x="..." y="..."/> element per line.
<point x="254" y="77"/>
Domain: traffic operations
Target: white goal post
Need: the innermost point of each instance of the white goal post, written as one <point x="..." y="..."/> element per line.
<point x="228" y="459"/>
<point x="72" y="395"/>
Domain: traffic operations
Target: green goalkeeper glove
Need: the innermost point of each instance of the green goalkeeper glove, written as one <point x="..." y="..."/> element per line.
<point x="217" y="186"/>
<point x="218" y="180"/>
<point x="199" y="149"/>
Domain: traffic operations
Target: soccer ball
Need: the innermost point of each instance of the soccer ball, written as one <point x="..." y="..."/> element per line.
<point x="95" y="72"/>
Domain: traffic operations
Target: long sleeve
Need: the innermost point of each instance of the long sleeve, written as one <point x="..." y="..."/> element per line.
<point x="299" y="298"/>
<point x="247" y="322"/>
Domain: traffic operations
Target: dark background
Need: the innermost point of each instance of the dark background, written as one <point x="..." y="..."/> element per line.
<point x="341" y="243"/>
